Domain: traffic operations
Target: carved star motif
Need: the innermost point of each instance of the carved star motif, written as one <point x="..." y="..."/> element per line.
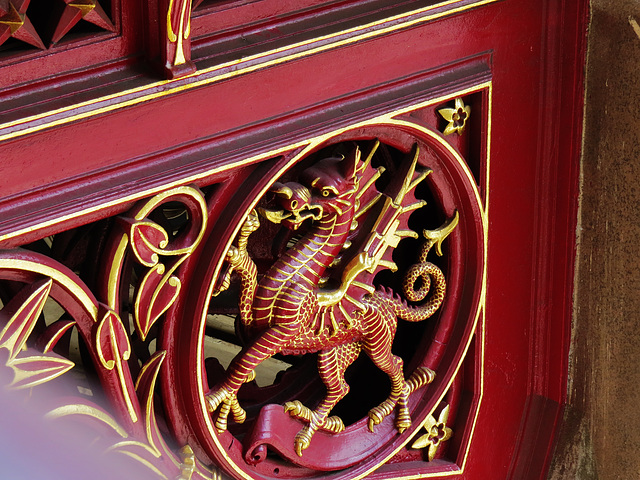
<point x="457" y="117"/>
<point x="76" y="10"/>
<point x="15" y="23"/>
<point x="437" y="432"/>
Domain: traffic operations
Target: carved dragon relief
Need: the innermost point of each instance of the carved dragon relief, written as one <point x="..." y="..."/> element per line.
<point x="319" y="295"/>
<point x="325" y="289"/>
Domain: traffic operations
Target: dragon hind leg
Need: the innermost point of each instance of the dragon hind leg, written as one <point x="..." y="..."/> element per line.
<point x="392" y="366"/>
<point x="331" y="366"/>
<point x="380" y="328"/>
<point x="420" y="377"/>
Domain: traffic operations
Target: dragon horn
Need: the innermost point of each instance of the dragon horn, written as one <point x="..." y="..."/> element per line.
<point x="369" y="157"/>
<point x="351" y="163"/>
<point x="282" y="190"/>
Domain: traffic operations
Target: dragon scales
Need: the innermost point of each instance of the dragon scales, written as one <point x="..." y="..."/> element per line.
<point x="294" y="311"/>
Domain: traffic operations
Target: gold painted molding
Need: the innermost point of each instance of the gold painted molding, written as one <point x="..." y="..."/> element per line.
<point x="306" y="145"/>
<point x="231" y="69"/>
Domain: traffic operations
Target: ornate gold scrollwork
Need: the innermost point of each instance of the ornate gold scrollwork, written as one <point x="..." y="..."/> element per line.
<point x="152" y="246"/>
<point x="158" y="251"/>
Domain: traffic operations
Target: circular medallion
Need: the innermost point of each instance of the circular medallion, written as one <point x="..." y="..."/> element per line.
<point x="339" y="288"/>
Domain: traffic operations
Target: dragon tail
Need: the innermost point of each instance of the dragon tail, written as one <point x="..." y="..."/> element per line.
<point x="424" y="279"/>
<point x="432" y="283"/>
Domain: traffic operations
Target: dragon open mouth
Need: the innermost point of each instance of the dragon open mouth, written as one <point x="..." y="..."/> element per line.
<point x="292" y="219"/>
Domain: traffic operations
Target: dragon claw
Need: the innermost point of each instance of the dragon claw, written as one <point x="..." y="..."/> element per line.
<point x="227" y="402"/>
<point x="372" y="423"/>
<point x="292" y="408"/>
<point x="297" y="410"/>
<point x="403" y="420"/>
<point x="302" y="441"/>
<point x="379" y="413"/>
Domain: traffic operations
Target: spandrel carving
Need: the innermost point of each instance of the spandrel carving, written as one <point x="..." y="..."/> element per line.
<point x="310" y="312"/>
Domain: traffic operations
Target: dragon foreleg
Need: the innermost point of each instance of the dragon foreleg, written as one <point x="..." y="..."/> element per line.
<point x="228" y="403"/>
<point x="239" y="261"/>
<point x="242" y="368"/>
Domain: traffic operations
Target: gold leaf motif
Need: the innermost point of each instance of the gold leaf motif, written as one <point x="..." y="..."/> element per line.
<point x="37" y="369"/>
<point x="91" y="411"/>
<point x="113" y="349"/>
<point x="54" y="332"/>
<point x="147" y="241"/>
<point x="156" y="293"/>
<point x="112" y="341"/>
<point x="30" y="367"/>
<point x="24" y="308"/>
<point x="145" y="385"/>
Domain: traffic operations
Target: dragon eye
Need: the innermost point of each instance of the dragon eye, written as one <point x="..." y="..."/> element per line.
<point x="326" y="192"/>
<point x="294" y="203"/>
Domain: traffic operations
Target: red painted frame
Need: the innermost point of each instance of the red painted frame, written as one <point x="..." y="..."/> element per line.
<point x="73" y="167"/>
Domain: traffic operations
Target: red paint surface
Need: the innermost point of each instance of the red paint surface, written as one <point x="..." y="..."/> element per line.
<point x="536" y="51"/>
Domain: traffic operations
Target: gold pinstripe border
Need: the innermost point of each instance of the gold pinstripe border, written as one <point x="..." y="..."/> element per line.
<point x="241" y="66"/>
<point x="305" y="144"/>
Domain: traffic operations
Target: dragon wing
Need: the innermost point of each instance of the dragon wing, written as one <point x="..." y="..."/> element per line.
<point x="380" y="222"/>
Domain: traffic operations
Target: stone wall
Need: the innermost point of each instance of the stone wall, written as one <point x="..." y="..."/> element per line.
<point x="600" y="438"/>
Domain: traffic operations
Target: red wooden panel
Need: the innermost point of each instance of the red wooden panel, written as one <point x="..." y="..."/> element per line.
<point x="143" y="184"/>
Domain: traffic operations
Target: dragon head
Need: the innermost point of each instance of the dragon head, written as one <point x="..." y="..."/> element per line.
<point x="324" y="189"/>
